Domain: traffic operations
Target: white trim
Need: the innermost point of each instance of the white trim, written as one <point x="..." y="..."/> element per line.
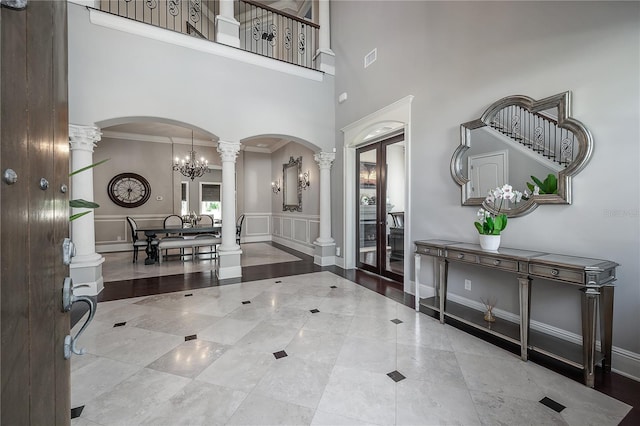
<point x="628" y="362"/>
<point x="108" y="20"/>
<point x="324" y="261"/>
<point x="111" y="248"/>
<point x="390" y="119"/>
<point x="293" y="245"/>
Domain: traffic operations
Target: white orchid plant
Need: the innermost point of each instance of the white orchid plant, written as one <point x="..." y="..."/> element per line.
<point x="493" y="223"/>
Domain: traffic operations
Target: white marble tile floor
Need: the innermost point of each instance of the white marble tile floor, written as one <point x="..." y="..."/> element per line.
<point x="208" y="359"/>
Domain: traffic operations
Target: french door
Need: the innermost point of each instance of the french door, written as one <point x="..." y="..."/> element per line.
<point x="380" y="204"/>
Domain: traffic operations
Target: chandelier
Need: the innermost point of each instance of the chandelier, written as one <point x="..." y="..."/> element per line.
<point x="190" y="166"/>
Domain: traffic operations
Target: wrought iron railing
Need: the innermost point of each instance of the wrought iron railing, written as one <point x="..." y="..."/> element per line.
<point x="194" y="17"/>
<point x="263" y="30"/>
<point x="276" y="34"/>
<point x="538" y="132"/>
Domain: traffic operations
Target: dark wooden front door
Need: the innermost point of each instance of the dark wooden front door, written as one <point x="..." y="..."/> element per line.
<point x="33" y="221"/>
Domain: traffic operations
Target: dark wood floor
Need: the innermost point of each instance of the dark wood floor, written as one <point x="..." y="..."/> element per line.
<point x="612" y="384"/>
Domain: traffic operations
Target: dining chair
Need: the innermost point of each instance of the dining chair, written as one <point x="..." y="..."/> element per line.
<point x="239" y="228"/>
<point x="206" y="220"/>
<point x="212" y="240"/>
<point x="137" y="243"/>
<point x="172" y="221"/>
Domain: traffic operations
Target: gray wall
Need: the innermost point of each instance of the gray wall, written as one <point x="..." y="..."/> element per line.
<point x="457" y="58"/>
<point x="310" y="196"/>
<point x="257" y="192"/>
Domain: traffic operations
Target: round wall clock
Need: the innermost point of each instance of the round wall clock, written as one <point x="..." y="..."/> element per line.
<point x="129" y="190"/>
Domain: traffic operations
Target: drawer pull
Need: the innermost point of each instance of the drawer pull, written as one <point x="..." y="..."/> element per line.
<point x="460" y="256"/>
<point x="496" y="262"/>
<point x="555" y="272"/>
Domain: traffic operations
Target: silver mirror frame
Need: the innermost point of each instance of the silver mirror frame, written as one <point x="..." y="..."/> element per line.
<point x="562" y="102"/>
<point x="286" y="186"/>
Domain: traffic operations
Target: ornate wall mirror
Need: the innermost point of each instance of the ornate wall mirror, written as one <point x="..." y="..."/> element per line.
<point x="534" y="146"/>
<point x="291" y="189"/>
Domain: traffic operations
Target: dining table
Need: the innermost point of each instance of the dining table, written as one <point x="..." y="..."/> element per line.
<point x="152" y="234"/>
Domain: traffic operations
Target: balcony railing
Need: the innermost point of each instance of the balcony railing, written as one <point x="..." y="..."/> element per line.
<point x="278" y="35"/>
<point x="263" y="30"/>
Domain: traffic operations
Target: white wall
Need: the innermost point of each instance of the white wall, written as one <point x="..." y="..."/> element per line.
<point x="457" y="58"/>
<point x="115" y="74"/>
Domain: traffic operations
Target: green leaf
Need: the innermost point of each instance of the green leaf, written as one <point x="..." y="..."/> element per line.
<point x="537" y="182"/>
<point x="551" y="184"/>
<point x="479" y="227"/>
<point x="88" y="167"/>
<point x="83" y="204"/>
<point x="77" y="215"/>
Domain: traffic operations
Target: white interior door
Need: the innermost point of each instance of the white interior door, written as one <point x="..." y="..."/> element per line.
<point x="487" y="171"/>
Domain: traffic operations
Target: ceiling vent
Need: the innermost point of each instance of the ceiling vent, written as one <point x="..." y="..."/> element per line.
<point x="370" y="57"/>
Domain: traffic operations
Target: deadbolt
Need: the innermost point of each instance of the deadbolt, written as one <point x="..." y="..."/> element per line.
<point x="44" y="184"/>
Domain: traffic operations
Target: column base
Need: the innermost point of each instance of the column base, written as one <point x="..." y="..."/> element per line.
<point x="325" y="253"/>
<point x="227" y="31"/>
<point x="325" y="61"/>
<point x="86" y="273"/>
<point x="228" y="265"/>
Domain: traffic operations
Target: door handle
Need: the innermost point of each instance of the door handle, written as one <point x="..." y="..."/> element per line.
<point x="68" y="299"/>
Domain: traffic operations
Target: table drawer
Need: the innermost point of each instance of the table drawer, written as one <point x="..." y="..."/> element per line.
<point x="562" y="274"/>
<point x="504" y="264"/>
<point x="431" y="251"/>
<point x="461" y="256"/>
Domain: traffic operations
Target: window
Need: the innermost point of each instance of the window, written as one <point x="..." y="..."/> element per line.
<point x="184" y="198"/>
<point x="210" y="202"/>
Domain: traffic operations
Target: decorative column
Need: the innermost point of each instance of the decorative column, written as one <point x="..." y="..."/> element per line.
<point x="227" y="28"/>
<point x="325" y="58"/>
<point x="86" y="265"/>
<point x="229" y="252"/>
<point x="325" y="245"/>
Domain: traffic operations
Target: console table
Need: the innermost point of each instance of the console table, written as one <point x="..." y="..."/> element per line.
<point x="593" y="277"/>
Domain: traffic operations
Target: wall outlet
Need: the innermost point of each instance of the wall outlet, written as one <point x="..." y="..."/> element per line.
<point x="338" y="251"/>
<point x="467" y="285"/>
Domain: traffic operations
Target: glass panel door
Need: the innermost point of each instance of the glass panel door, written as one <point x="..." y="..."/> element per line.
<point x="380" y="207"/>
<point x="367" y="193"/>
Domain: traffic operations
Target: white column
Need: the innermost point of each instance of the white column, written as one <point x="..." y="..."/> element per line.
<point x="325" y="245"/>
<point x="325" y="58"/>
<point x="86" y="266"/>
<point x="227" y="27"/>
<point x="229" y="252"/>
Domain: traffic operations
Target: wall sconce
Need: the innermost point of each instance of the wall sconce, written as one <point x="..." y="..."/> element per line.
<point x="304" y="180"/>
<point x="275" y="186"/>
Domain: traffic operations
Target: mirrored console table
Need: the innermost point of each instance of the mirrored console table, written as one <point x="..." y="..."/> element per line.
<point x="594" y="278"/>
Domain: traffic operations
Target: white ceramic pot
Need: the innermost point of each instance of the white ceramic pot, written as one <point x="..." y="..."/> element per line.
<point x="489" y="242"/>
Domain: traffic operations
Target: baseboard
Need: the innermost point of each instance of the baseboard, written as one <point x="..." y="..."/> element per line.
<point x="324" y="261"/>
<point x="340" y="262"/>
<point x="111" y="248"/>
<point x="624" y="362"/>
<point x="293" y="245"/>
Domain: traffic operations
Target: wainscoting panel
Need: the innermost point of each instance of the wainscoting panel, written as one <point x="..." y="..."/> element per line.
<point x="256" y="227"/>
<point x="286" y="228"/>
<point x="277" y="225"/>
<point x="296" y="231"/>
<point x="300" y="227"/>
<point x="314" y="230"/>
<point x="113" y="232"/>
